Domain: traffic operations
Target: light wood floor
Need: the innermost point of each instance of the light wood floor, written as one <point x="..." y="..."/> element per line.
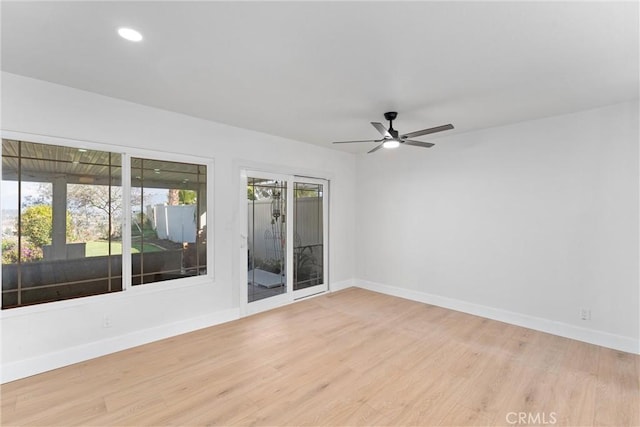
<point x="349" y="358"/>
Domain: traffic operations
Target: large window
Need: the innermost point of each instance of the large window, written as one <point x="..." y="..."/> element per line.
<point x="63" y="211"/>
<point x="168" y="222"/>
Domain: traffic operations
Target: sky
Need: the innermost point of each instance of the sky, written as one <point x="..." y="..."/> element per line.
<point x="9" y="194"/>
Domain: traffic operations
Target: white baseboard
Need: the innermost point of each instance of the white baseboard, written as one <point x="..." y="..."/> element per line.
<point x="12" y="371"/>
<point x="25" y="368"/>
<point x="604" y="339"/>
<point x="338" y="286"/>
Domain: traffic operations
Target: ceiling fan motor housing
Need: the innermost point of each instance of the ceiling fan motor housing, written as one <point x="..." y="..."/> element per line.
<point x="391" y="115"/>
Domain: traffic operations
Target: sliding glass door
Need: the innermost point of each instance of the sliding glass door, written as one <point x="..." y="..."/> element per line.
<point x="309" y="248"/>
<point x="267" y="238"/>
<point x="284" y="240"/>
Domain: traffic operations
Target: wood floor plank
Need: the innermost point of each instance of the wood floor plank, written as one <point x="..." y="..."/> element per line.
<point x="353" y="358"/>
<point x="617" y="394"/>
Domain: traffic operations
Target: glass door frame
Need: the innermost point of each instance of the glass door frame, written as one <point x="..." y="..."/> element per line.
<point x="289" y="296"/>
<point x="324" y="286"/>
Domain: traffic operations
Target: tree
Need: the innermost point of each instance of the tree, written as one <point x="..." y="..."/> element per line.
<point x="258" y="192"/>
<point x="37" y="224"/>
<point x="187" y="197"/>
<point x="106" y="199"/>
<point x="9" y="251"/>
<point x="250" y="193"/>
<point x="91" y="207"/>
<point x="42" y="197"/>
<point x="304" y="192"/>
<point x="29" y="251"/>
<point x="173" y="197"/>
<point x="181" y="197"/>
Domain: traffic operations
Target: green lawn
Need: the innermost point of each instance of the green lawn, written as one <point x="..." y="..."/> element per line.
<point x="101" y="248"/>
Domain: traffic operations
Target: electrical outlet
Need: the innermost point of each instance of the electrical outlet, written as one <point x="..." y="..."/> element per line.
<point x="106" y="321"/>
<point x="585" y="313"/>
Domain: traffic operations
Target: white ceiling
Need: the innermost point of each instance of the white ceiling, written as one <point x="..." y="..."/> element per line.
<point x="321" y="71"/>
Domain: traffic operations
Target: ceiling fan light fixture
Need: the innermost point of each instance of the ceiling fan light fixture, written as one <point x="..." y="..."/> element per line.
<point x="130" y="34"/>
<point x="391" y="143"/>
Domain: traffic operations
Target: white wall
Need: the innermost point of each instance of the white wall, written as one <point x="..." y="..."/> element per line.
<point x="40" y="338"/>
<point x="526" y="223"/>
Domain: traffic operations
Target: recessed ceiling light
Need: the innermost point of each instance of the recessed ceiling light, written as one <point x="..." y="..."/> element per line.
<point x="130" y="34"/>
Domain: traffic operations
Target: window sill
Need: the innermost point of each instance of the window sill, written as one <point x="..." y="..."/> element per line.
<point x="164" y="286"/>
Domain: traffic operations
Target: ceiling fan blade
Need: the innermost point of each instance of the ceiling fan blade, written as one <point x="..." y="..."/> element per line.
<point x="375" y="149"/>
<point x="427" y="131"/>
<point x="418" y="143"/>
<point x="364" y="140"/>
<point x="381" y="129"/>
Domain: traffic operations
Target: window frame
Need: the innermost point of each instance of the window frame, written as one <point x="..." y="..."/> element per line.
<point x="127" y="288"/>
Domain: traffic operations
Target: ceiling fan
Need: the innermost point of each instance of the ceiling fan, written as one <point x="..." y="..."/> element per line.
<point x="391" y="138"/>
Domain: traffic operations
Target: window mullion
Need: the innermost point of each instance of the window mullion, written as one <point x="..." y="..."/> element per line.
<point x="126" y="221"/>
